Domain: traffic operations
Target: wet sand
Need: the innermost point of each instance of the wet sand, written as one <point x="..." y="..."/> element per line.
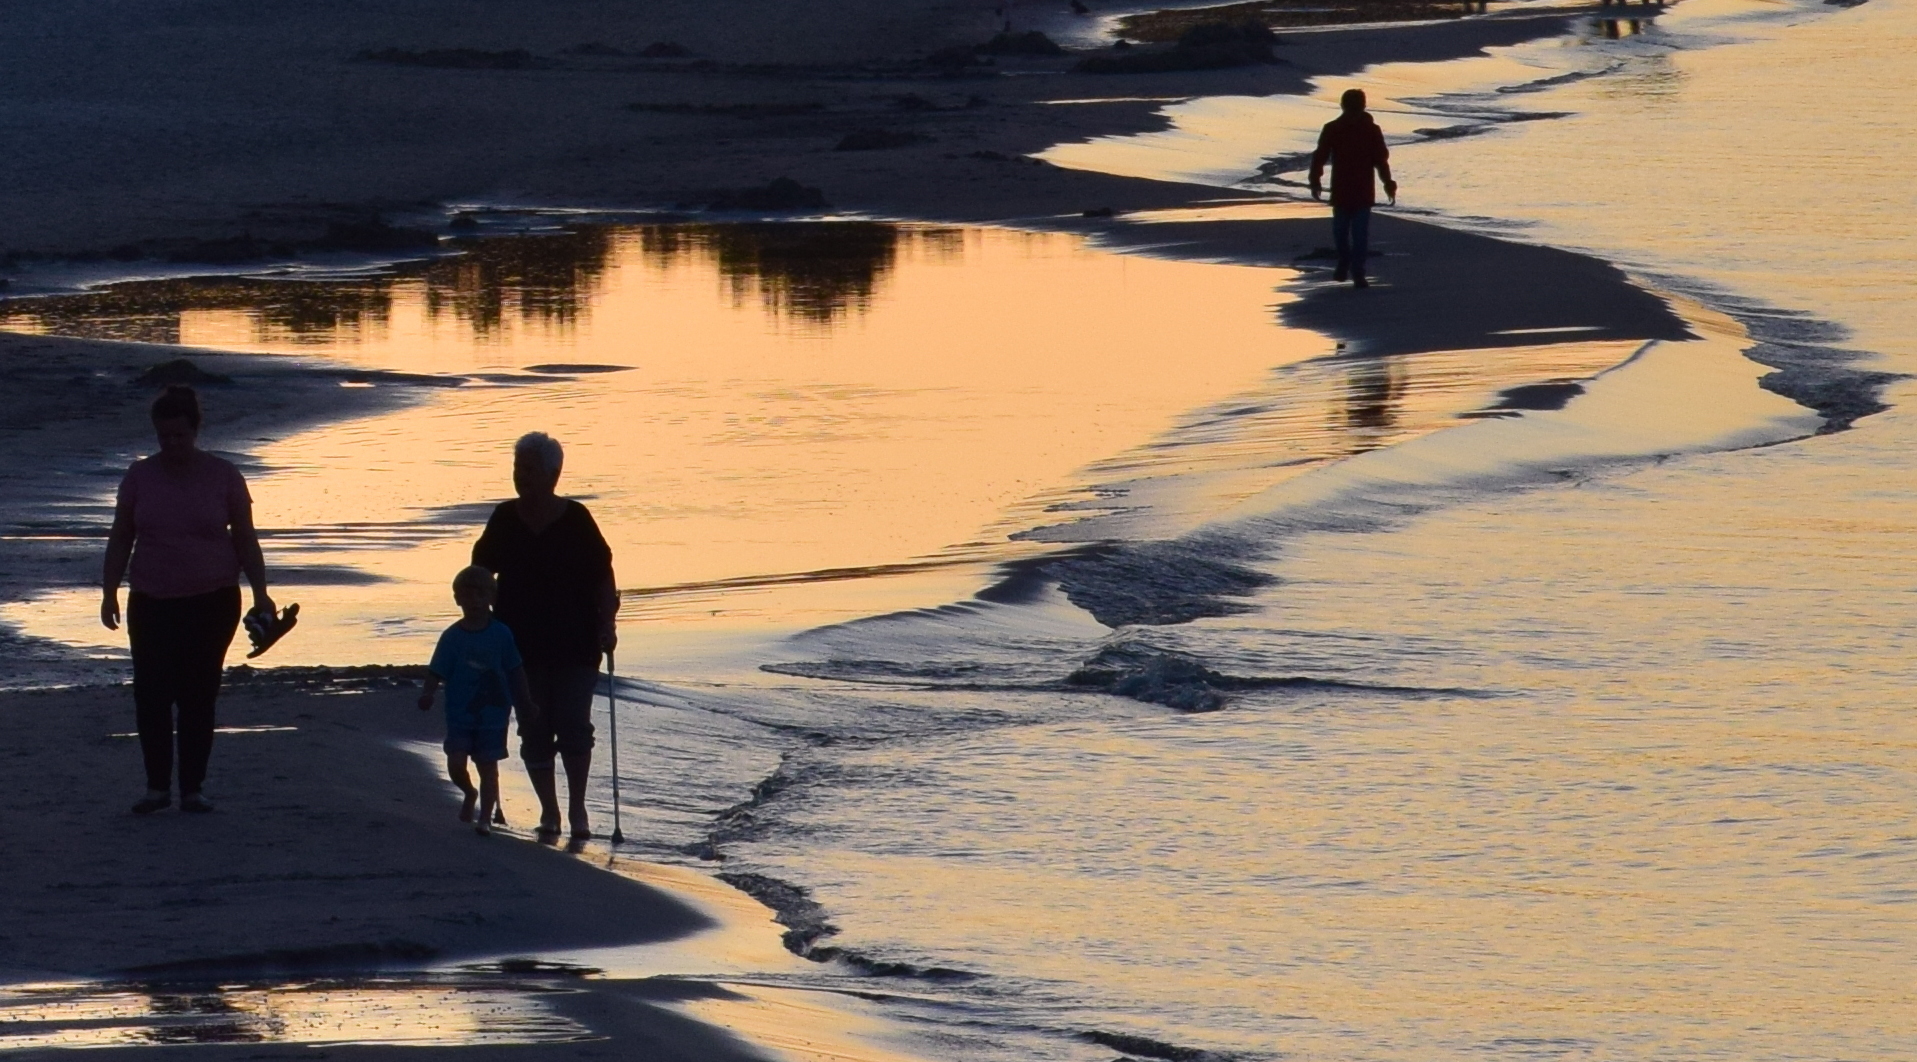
<point x="335" y="850"/>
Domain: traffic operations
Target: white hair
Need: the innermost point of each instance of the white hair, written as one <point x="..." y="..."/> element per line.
<point x="539" y="446"/>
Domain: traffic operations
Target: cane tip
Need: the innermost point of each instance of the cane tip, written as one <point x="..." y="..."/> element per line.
<point x="618" y="837"/>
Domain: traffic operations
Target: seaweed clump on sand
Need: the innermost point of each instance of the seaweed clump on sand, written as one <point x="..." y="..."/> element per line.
<point x="370" y="236"/>
<point x="1031" y="44"/>
<point x="452" y="58"/>
<point x="784" y="193"/>
<point x="878" y="140"/>
<point x="731" y="110"/>
<point x="1206" y="46"/>
<point x="1167" y="26"/>
<point x="180" y="371"/>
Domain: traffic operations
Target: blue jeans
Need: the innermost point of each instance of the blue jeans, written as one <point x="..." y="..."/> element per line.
<point x="1351" y="231"/>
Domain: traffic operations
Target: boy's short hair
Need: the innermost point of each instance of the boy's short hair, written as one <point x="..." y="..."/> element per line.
<point x="480" y="579"/>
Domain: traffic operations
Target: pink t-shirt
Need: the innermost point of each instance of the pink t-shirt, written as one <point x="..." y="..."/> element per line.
<point x="181" y="542"/>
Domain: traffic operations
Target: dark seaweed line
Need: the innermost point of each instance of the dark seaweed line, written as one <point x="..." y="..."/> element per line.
<point x="1081" y="682"/>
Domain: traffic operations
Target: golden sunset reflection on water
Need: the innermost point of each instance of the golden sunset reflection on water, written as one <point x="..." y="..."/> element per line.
<point x="784" y="425"/>
<point x="423" y="1012"/>
<point x="786" y="399"/>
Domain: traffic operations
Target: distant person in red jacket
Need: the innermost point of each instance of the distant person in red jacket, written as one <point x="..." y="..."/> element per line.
<point x="1355" y="146"/>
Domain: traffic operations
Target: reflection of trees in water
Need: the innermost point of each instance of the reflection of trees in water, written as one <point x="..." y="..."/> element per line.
<point x="812" y="272"/>
<point x="149" y="311"/>
<point x="547" y="278"/>
<point x="940" y="245"/>
<point x="215" y="1020"/>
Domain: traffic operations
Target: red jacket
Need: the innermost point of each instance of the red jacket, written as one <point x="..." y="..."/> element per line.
<point x="1356" y="148"/>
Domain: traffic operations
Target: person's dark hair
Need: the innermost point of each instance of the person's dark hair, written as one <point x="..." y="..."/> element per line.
<point x="178" y="400"/>
<point x="1352" y="100"/>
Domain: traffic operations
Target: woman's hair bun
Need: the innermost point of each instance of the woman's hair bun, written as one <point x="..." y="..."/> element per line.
<point x="178" y="400"/>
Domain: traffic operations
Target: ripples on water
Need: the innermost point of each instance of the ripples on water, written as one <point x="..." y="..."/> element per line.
<point x="1598" y="751"/>
<point x="445" y="1011"/>
<point x="776" y="400"/>
<point x="1677" y="823"/>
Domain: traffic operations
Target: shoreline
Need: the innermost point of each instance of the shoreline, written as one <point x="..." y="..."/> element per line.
<point x="642" y="1014"/>
<point x="630" y="1009"/>
<point x="334" y="864"/>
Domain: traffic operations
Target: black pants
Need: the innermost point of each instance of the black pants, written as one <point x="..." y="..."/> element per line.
<point x="564" y="723"/>
<point x="179" y="651"/>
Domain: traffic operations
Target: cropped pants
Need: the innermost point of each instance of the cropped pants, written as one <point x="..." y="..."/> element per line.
<point x="564" y="723"/>
<point x="179" y="651"/>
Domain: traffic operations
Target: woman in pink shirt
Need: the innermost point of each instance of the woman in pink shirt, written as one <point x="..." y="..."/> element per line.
<point x="185" y="520"/>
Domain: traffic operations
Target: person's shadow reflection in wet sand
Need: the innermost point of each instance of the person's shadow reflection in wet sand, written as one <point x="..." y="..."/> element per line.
<point x="1372" y="389"/>
<point x="558" y="595"/>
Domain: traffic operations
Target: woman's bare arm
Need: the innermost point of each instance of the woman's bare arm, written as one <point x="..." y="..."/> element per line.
<point x="119" y="550"/>
<point x="246" y="543"/>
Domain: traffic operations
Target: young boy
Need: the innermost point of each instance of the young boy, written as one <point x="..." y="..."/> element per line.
<point x="480" y="665"/>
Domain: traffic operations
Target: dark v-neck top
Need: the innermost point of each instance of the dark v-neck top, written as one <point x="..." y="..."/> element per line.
<point x="548" y="582"/>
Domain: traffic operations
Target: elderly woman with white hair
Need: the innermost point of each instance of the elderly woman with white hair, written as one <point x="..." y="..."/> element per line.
<point x="558" y="596"/>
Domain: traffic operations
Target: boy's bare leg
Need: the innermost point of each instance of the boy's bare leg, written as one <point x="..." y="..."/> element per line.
<point x="547" y="787"/>
<point x="578" y="767"/>
<point x="456" y="770"/>
<point x="488" y="796"/>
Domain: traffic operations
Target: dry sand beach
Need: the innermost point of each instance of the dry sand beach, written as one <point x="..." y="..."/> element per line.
<point x="163" y="138"/>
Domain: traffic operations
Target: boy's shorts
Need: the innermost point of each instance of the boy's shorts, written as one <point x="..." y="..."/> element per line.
<point x="484" y="746"/>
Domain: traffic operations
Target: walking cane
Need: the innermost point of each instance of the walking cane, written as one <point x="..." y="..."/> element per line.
<point x="612" y="703"/>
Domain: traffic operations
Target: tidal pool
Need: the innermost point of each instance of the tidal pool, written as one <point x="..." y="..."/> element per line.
<point x="777" y="425"/>
<point x="753" y="412"/>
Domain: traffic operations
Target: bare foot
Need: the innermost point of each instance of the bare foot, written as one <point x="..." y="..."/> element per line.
<point x="466" y="806"/>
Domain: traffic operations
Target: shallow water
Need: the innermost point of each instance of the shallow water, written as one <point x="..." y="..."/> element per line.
<point x="422" y="1012"/>
<point x="743" y="406"/>
<point x="1616" y="768"/>
<point x="1574" y="734"/>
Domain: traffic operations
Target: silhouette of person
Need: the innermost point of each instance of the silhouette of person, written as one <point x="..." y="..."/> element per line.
<point x="1355" y="147"/>
<point x="557" y="594"/>
<point x="184" y="520"/>
<point x="478" y="661"/>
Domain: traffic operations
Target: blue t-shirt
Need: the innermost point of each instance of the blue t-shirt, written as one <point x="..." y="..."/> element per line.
<point x="477" y="668"/>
